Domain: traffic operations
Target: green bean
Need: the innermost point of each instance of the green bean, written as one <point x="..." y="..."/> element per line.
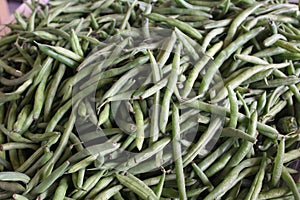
<point x="144" y="155"/>
<point x="117" y="86"/>
<point x="61" y="57"/>
<point x="45" y="35"/>
<point x="187" y="44"/>
<point x="177" y="152"/>
<point x="217" y="24"/>
<point x="91" y="114"/>
<point x="198" y="67"/>
<point x="61" y="190"/>
<point x="14" y="176"/>
<point x="238" y="21"/>
<point x="52" y="91"/>
<point x="101" y="184"/>
<point x="8" y="39"/>
<point x="221" y="163"/>
<point x="12" y="187"/>
<point x="43" y="186"/>
<point x="40" y="162"/>
<point x="210" y="36"/>
<point x="104" y="115"/>
<point x="107" y="194"/>
<point x="154" y="130"/>
<point x="166" y="50"/>
<point x="246" y="146"/>
<point x="203" y="177"/>
<point x="140" y="135"/>
<point x="204" y="139"/>
<point x="14" y="136"/>
<point x="251" y="59"/>
<point x="258" y="180"/>
<point x="30" y="26"/>
<point x="204" y="164"/>
<point x="136" y="185"/>
<point x="20" y="20"/>
<point x="127" y="15"/>
<point x="23" y="87"/>
<point x="228" y="181"/>
<point x="287" y="178"/>
<point x="35" y="137"/>
<point x="160" y="185"/>
<point x="276" y="109"/>
<point x="259" y="76"/>
<point x="186" y="28"/>
<point x="17" y="145"/>
<point x="89" y="184"/>
<point x="25" y="54"/>
<point x="39" y="98"/>
<point x="278" y="164"/>
<point x="169" y="90"/>
<point x="223" y="55"/>
<point x="236" y="133"/>
<point x="181" y="11"/>
<point x="82" y="164"/>
<point x="247" y="74"/>
<point x="19" y="197"/>
<point x="10" y="69"/>
<point x="275" y="193"/>
<point x="184" y="4"/>
<point x="150" y="164"/>
<point x="287" y="45"/>
<point x="233" y="108"/>
<point x="272" y="39"/>
<point x="275" y="82"/>
<point x="75" y="44"/>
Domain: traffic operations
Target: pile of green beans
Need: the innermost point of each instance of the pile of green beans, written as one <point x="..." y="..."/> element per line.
<point x="151" y="99"/>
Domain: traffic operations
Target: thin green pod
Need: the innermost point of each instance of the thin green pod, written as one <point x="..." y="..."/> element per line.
<point x="14" y="136"/>
<point x="184" y="27"/>
<point x="224" y="55"/>
<point x="246" y="146"/>
<point x="53" y="90"/>
<point x="83" y="163"/>
<point x="75" y="44"/>
<point x="164" y="113"/>
<point x="158" y="189"/>
<point x="19" y="197"/>
<point x="278" y="163"/>
<point x="101" y="184"/>
<point x="250" y="59"/>
<point x="244" y="76"/>
<point x="238" y="21"/>
<point x="210" y="159"/>
<point x="14" y="187"/>
<point x="89" y="184"/>
<point x="14" y="176"/>
<point x="139" y="119"/>
<point x="231" y="178"/>
<point x="177" y="152"/>
<point x="258" y="180"/>
<point x="236" y="133"/>
<point x="61" y="190"/>
<point x="144" y="155"/>
<point x="203" y="177"/>
<point x="136" y="185"/>
<point x="44" y="185"/>
<point x="288" y="179"/>
<point x="220" y="163"/>
<point x="108" y="193"/>
<point x="60" y="57"/>
<point x="233" y="108"/>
